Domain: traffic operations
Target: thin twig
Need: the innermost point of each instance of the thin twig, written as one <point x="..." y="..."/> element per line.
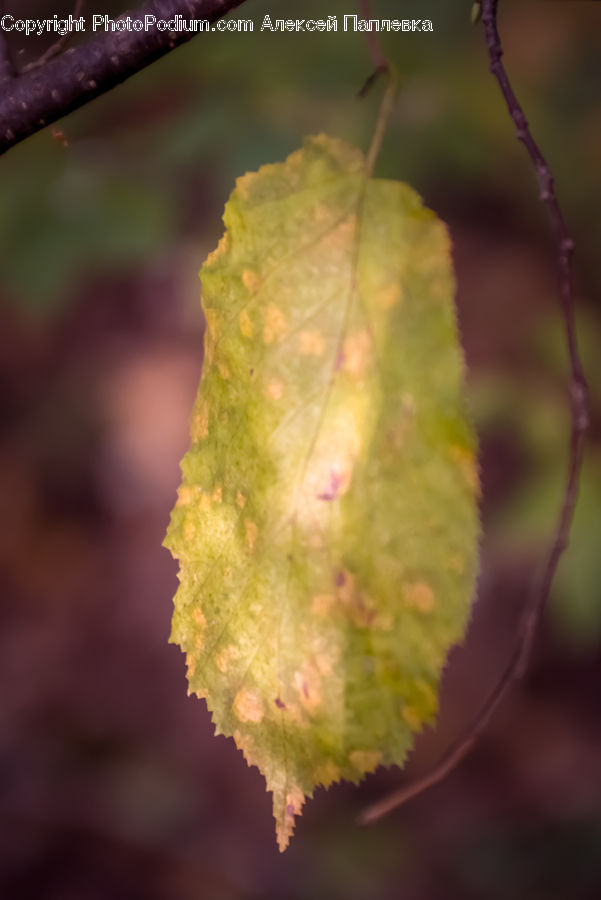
<point x="375" y="50"/>
<point x="370" y="81"/>
<point x="57" y="47"/>
<point x="533" y="611"/>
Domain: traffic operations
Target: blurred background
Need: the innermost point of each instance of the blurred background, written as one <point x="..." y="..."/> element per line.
<point x="111" y="782"/>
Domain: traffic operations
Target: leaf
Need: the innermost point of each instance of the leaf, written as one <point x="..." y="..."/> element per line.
<point x="326" y="525"/>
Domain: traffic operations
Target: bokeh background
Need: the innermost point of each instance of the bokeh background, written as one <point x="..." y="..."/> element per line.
<point x="111" y="782"/>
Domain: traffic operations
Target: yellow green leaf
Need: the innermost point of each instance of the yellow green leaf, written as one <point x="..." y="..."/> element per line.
<point x="326" y="525"/>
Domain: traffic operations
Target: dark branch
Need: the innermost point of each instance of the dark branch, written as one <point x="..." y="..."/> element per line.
<point x="535" y="606"/>
<point x="40" y="97"/>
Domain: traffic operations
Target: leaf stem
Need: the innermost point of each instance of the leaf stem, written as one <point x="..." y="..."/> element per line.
<point x="383" y="120"/>
<point x="382" y="66"/>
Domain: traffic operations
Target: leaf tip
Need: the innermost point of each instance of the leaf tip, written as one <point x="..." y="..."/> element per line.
<point x="287" y="805"/>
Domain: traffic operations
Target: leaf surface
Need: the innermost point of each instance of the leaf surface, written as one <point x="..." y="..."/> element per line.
<point x="327" y="524"/>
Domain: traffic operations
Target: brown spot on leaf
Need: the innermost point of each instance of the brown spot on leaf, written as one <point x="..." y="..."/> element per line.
<point x="200" y="422"/>
<point x="251" y="533"/>
<point x="324" y="661"/>
<point x="248" y="707"/>
<point x="311" y="343"/>
<point x="191" y="665"/>
<point x="204" y="502"/>
<point x="184" y="495"/>
<point x="199" y="617"/>
<point x="222" y="660"/>
<point x="275" y="324"/>
<point x="212" y="318"/>
<point x="356" y="353"/>
<point x="189" y="529"/>
<point x="419" y="596"/>
<point x="341" y="236"/>
<point x="275" y="389"/>
<point x="250" y="280"/>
